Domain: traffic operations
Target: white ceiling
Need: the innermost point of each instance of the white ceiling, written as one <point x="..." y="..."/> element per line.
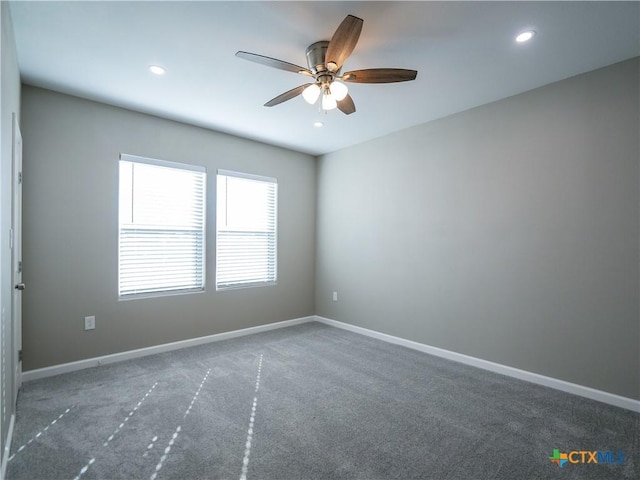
<point x="464" y="52"/>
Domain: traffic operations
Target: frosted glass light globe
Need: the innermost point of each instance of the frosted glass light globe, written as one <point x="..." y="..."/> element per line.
<point x="339" y="90"/>
<point x="311" y="93"/>
<point x="328" y="102"/>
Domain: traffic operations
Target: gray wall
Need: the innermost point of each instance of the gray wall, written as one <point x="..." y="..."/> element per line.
<point x="9" y="103"/>
<point x="509" y="232"/>
<point x="71" y="149"/>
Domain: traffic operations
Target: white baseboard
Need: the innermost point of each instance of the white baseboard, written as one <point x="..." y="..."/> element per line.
<point x="7" y="448"/>
<point x="143" y="352"/>
<point x="588" y="392"/>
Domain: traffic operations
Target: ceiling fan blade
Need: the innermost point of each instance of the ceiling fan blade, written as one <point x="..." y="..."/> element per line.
<point x="346" y="105"/>
<point x="273" y="62"/>
<point x="343" y="42"/>
<point x="380" y="75"/>
<point x="283" y="97"/>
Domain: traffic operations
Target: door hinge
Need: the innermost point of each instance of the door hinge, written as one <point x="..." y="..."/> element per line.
<point x="19" y="177"/>
<point x="20" y="266"/>
<point x="19" y="355"/>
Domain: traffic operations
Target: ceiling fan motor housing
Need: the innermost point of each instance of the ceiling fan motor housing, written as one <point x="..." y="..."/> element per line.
<point x="316" y="53"/>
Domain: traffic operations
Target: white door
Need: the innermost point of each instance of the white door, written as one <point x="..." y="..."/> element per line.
<point x="16" y="228"/>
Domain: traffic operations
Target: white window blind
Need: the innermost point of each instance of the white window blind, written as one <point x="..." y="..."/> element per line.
<point x="161" y="227"/>
<point x="246" y="230"/>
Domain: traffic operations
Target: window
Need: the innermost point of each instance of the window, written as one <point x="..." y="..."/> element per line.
<point x="161" y="227"/>
<point x="246" y="230"/>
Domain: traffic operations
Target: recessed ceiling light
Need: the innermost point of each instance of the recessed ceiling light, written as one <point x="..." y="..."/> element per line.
<point x="318" y="124"/>
<point x="525" y="36"/>
<point x="157" y="69"/>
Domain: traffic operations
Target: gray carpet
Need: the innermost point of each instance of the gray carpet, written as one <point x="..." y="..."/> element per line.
<point x="308" y="402"/>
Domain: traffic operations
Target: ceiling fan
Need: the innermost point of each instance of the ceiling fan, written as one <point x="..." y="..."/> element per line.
<point x="325" y="60"/>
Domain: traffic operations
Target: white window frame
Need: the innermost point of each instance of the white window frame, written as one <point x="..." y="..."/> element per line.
<point x="126" y="294"/>
<point x="271" y="278"/>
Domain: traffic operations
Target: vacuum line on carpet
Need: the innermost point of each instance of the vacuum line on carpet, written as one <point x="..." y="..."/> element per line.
<point x="37" y="435"/>
<point x="150" y="446"/>
<point x="178" y="429"/>
<point x="126" y="419"/>
<point x="84" y="469"/>
<point x="252" y="419"/>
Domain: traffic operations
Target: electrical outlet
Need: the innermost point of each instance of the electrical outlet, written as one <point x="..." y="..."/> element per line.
<point x="89" y="323"/>
<point x="335" y="296"/>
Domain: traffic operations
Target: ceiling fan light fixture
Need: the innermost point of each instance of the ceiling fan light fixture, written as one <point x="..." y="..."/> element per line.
<point x="339" y="90"/>
<point x="311" y="93"/>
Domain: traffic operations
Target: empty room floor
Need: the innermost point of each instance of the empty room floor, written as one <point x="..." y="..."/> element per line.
<point x="309" y="402"/>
